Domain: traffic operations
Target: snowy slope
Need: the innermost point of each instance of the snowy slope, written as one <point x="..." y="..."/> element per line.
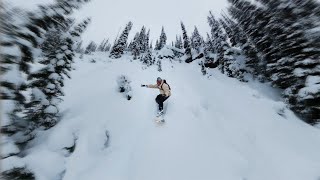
<point x="217" y="128"/>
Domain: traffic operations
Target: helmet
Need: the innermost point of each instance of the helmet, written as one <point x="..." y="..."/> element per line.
<point x="159" y="79"/>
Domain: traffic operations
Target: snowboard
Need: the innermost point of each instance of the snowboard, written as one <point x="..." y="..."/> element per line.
<point x="160" y="118"/>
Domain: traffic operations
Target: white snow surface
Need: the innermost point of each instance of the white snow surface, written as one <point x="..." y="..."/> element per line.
<point x="312" y="87"/>
<point x="216" y="128"/>
<point x="11" y="163"/>
<point x="166" y="51"/>
<point x="8" y="149"/>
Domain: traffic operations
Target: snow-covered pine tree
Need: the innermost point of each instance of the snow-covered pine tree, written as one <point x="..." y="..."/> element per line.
<point x="140" y="43"/>
<point x="252" y="21"/>
<point x="107" y="46"/>
<point x="186" y="44"/>
<point x="219" y="40"/>
<point x="22" y="34"/>
<point x="118" y="48"/>
<point x="14" y="60"/>
<point x="290" y="59"/>
<point x="79" y="48"/>
<point x="146" y="41"/>
<point x="46" y="83"/>
<point x="181" y="43"/>
<point x="147" y="58"/>
<point x="134" y="46"/>
<point x="151" y="46"/>
<point x="102" y="45"/>
<point x="209" y="53"/>
<point x="163" y="39"/>
<point x="239" y="39"/>
<point x="178" y="44"/>
<point x="235" y="59"/>
<point x="92" y="47"/>
<point x="72" y="38"/>
<point x="229" y="31"/>
<point x="142" y="40"/>
<point x="156" y="47"/>
<point x="178" y="52"/>
<point x="295" y="53"/>
<point x="307" y="14"/>
<point x="232" y="66"/>
<point x="196" y="40"/>
<point x="130" y="47"/>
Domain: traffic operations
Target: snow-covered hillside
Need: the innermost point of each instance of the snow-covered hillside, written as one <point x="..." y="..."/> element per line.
<point x="216" y="128"/>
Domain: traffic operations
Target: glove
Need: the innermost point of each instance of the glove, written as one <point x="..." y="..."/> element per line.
<point x="143" y="85"/>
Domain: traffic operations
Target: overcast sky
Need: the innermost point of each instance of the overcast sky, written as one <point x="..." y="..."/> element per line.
<point x="109" y="16"/>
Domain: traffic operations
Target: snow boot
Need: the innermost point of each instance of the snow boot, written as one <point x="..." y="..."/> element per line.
<point x="160" y="113"/>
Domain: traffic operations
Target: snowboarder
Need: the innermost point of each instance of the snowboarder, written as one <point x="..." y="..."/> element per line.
<point x="165" y="92"/>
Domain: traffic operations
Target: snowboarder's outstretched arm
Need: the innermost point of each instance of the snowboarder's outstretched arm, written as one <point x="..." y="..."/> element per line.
<point x="150" y="86"/>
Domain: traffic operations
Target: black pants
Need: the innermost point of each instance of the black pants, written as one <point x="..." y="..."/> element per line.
<point x="160" y="99"/>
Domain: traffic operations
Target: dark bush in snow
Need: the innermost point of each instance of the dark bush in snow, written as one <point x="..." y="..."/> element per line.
<point x="17" y="173"/>
<point x="159" y="65"/>
<point x="124" y="86"/>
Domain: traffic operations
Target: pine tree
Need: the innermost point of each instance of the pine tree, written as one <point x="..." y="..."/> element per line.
<point x="229" y="31"/>
<point x="163" y="39"/>
<point x="196" y="40"/>
<point x="134" y="47"/>
<point x="186" y="44"/>
<point x="219" y="40"/>
<point x="92" y="47"/>
<point x="239" y="39"/>
<point x="119" y="47"/>
<point x="142" y="40"/>
<point x="135" y="39"/>
<point x="140" y="43"/>
<point x="79" y="47"/>
<point x="209" y="52"/>
<point x="107" y="47"/>
<point x="22" y="34"/>
<point x="178" y="44"/>
<point x="147" y="58"/>
<point x="102" y="45"/>
<point x="146" y="42"/>
<point x="151" y="47"/>
<point x="157" y="45"/>
<point x="253" y="24"/>
<point x="47" y="82"/>
<point x="295" y="52"/>
<point x="290" y="60"/>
